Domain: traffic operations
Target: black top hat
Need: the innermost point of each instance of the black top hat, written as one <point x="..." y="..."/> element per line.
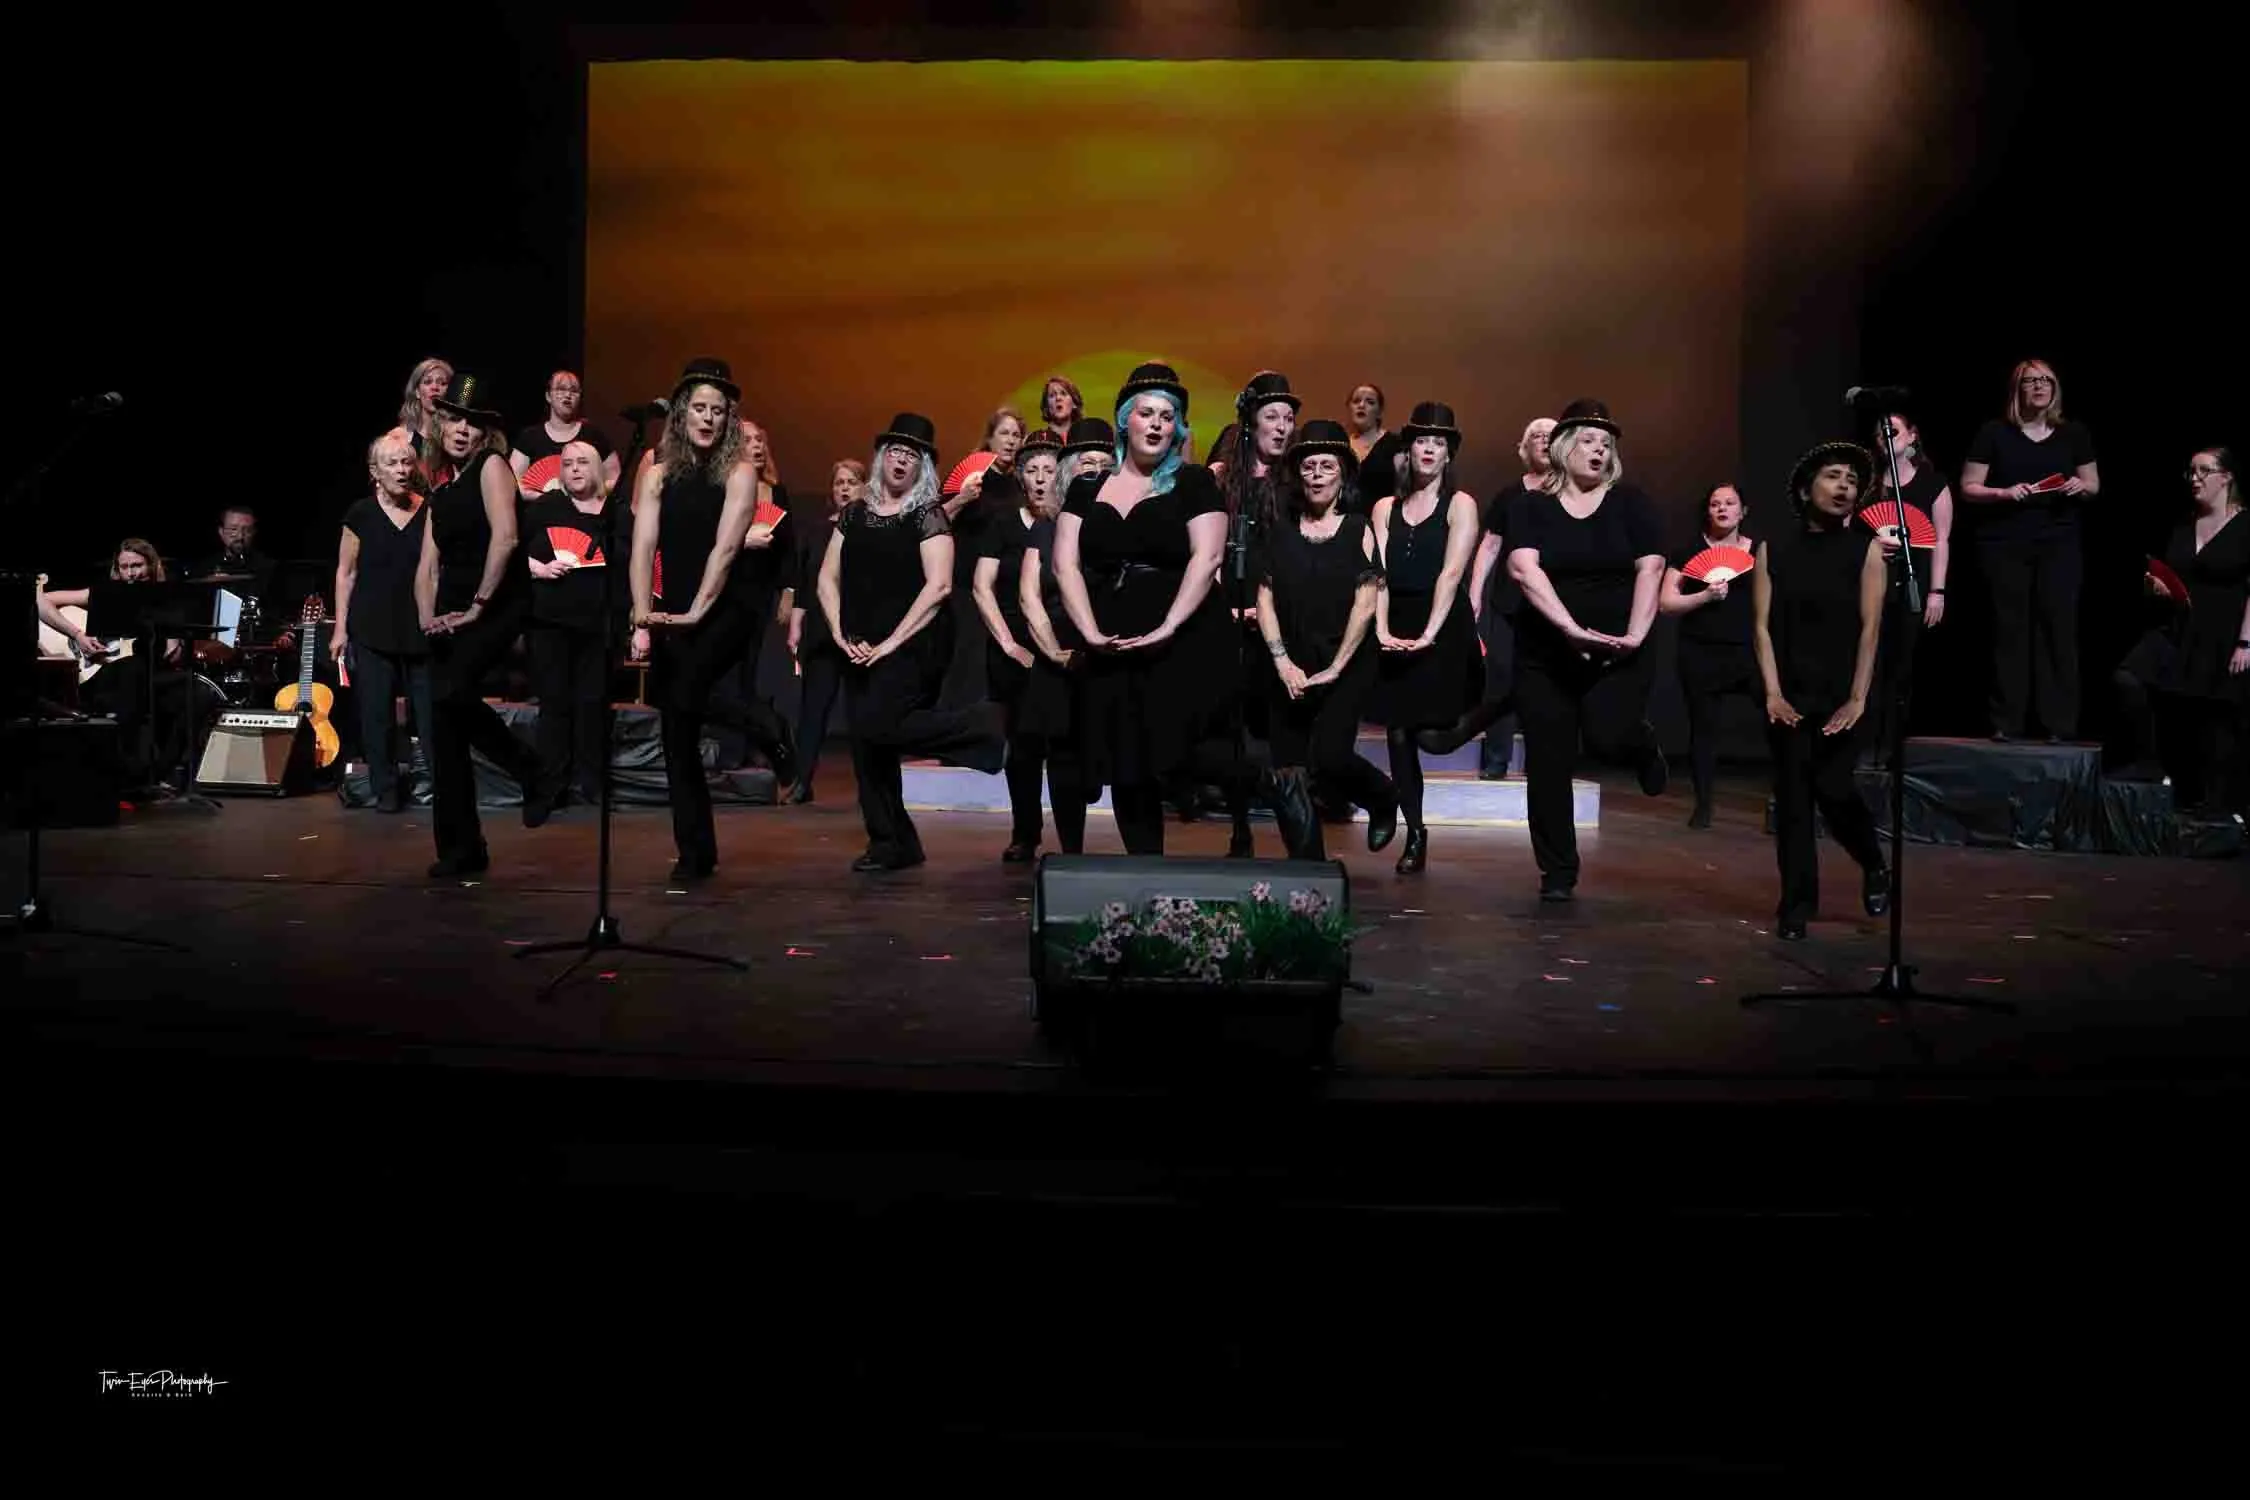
<point x="1588" y="412"/>
<point x="1154" y="377"/>
<point x="1819" y="457"/>
<point x="465" y="397"/>
<point x="1041" y="440"/>
<point x="1322" y="436"/>
<point x="1432" y="419"/>
<point x="1265" y="388"/>
<point x="912" y="429"/>
<point x="1090" y="435"/>
<point x="708" y="371"/>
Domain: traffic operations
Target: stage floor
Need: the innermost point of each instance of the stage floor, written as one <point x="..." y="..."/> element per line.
<point x="312" y="931"/>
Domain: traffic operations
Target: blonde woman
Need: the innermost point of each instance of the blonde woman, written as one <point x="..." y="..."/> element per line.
<point x="377" y="638"/>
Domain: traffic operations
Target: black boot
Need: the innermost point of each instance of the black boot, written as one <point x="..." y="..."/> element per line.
<point x="1875" y="890"/>
<point x="1382" y="819"/>
<point x="1291" y="801"/>
<point x="1417" y="853"/>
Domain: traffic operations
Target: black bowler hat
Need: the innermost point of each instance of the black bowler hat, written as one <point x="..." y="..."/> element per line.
<point x="912" y="429"/>
<point x="1820" y="457"/>
<point x="464" y="397"/>
<point x="1041" y="440"/>
<point x="1322" y="436"/>
<point x="1090" y="435"/>
<point x="1588" y="412"/>
<point x="1432" y="419"/>
<point x="1265" y="388"/>
<point x="707" y="371"/>
<point x="1154" y="377"/>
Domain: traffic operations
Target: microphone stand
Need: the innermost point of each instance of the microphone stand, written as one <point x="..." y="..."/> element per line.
<point x="1897" y="984"/>
<point x="35" y="913"/>
<point x="605" y="935"/>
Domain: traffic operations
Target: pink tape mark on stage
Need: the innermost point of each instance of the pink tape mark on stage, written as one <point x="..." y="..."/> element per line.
<point x="796" y="952"/>
<point x="1981" y="979"/>
<point x="1557" y="978"/>
<point x="1707" y="980"/>
<point x="937" y="958"/>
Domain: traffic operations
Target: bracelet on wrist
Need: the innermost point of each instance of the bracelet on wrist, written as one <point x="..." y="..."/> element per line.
<point x="1277" y="649"/>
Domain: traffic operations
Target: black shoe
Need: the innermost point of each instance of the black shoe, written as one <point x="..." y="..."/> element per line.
<point x="2002" y="736"/>
<point x="1701" y="817"/>
<point x="1875" y="890"/>
<point x="799" y="795"/>
<point x="879" y="859"/>
<point x="390" y="801"/>
<point x="1790" y="929"/>
<point x="453" y="866"/>
<point x="689" y="871"/>
<point x="1417" y="855"/>
<point x="781" y="756"/>
<point x="1655" y="774"/>
<point x="1555" y="890"/>
<point x="537" y="810"/>
<point x="1382" y="823"/>
<point x="1290" y="796"/>
<point x="1020" y="853"/>
<point x="1240" y="845"/>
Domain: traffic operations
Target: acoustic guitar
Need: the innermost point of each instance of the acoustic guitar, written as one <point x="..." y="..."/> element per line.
<point x="315" y="700"/>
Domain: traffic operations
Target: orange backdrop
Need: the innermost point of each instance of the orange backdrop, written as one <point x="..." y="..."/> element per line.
<point x="862" y="238"/>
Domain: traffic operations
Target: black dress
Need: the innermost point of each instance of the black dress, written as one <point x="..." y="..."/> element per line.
<point x="1036" y="702"/>
<point x="1564" y="695"/>
<point x="1813" y="619"/>
<point x="460" y="661"/>
<point x="1894" y="659"/>
<point x="893" y="704"/>
<point x="388" y="655"/>
<point x="746" y="717"/>
<point x="1315" y="585"/>
<point x="1431" y="688"/>
<point x="2200" y="717"/>
<point x="2029" y="552"/>
<point x="1144" y="713"/>
<point x="820" y="665"/>
<point x="1716" y="662"/>
<point x="572" y="642"/>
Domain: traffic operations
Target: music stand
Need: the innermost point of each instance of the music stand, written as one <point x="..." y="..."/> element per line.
<point x="605" y="935"/>
<point x="1897" y="984"/>
<point x="159" y="612"/>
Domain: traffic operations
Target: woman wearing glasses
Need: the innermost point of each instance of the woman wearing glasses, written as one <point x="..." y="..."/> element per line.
<point x="2026" y="480"/>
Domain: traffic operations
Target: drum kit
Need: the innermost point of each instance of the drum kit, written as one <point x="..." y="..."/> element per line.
<point x="249" y="671"/>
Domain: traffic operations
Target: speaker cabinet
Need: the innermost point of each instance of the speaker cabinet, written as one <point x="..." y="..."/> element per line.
<point x="257" y="753"/>
<point x="74" y="779"/>
<point x="1171" y="1021"/>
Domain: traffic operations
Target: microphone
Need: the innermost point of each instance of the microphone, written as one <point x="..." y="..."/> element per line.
<point x="1866" y="394"/>
<point x="106" y="401"/>
<point x="647" y="411"/>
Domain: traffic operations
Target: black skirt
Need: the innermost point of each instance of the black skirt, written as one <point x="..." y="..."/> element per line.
<point x="1431" y="688"/>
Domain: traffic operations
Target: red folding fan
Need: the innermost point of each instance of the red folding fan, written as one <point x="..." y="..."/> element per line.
<point x="575" y="547"/>
<point x="2050" y="484"/>
<point x="1718" y="564"/>
<point x="975" y="463"/>
<point x="543" y="474"/>
<point x="2175" y="588"/>
<point x="767" y="516"/>
<point x="1882" y="517"/>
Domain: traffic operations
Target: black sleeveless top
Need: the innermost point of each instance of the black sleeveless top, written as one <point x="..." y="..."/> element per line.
<point x="687" y="527"/>
<point x="1814" y="613"/>
<point x="1315" y="585"/>
<point x="1415" y="554"/>
<point x="464" y="536"/>
<point x="383" y="615"/>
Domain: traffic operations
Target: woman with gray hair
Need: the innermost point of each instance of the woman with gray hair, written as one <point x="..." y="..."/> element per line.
<point x="1588" y="554"/>
<point x="883" y="588"/>
<point x="377" y="638"/>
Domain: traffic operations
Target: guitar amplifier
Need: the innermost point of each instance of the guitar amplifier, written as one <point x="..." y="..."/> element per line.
<point x="258" y="752"/>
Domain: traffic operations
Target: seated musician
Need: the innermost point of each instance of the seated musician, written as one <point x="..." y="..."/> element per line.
<point x="118" y="686"/>
<point x="238" y="557"/>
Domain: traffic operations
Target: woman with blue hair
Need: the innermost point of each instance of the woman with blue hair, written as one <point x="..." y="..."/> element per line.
<point x="1136" y="558"/>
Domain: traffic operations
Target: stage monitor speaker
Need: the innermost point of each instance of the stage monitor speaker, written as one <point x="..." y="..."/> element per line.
<point x="258" y="753"/>
<point x="76" y="780"/>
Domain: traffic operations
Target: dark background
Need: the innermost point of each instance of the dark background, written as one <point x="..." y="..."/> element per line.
<point x="253" y="234"/>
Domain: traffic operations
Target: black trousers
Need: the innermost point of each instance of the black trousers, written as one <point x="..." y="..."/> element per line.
<point x="684" y="666"/>
<point x="1139" y="808"/>
<point x="746" y="717"/>
<point x="570" y="673"/>
<point x="379" y="680"/>
<point x="2033" y="583"/>
<point x="121" y="690"/>
<point x="894" y="714"/>
<point x="462" y="723"/>
<point x="1810" y="770"/>
<point x="1709" y="675"/>
<point x="1564" y="700"/>
<point x="1498" y="632"/>
<point x="823" y="678"/>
